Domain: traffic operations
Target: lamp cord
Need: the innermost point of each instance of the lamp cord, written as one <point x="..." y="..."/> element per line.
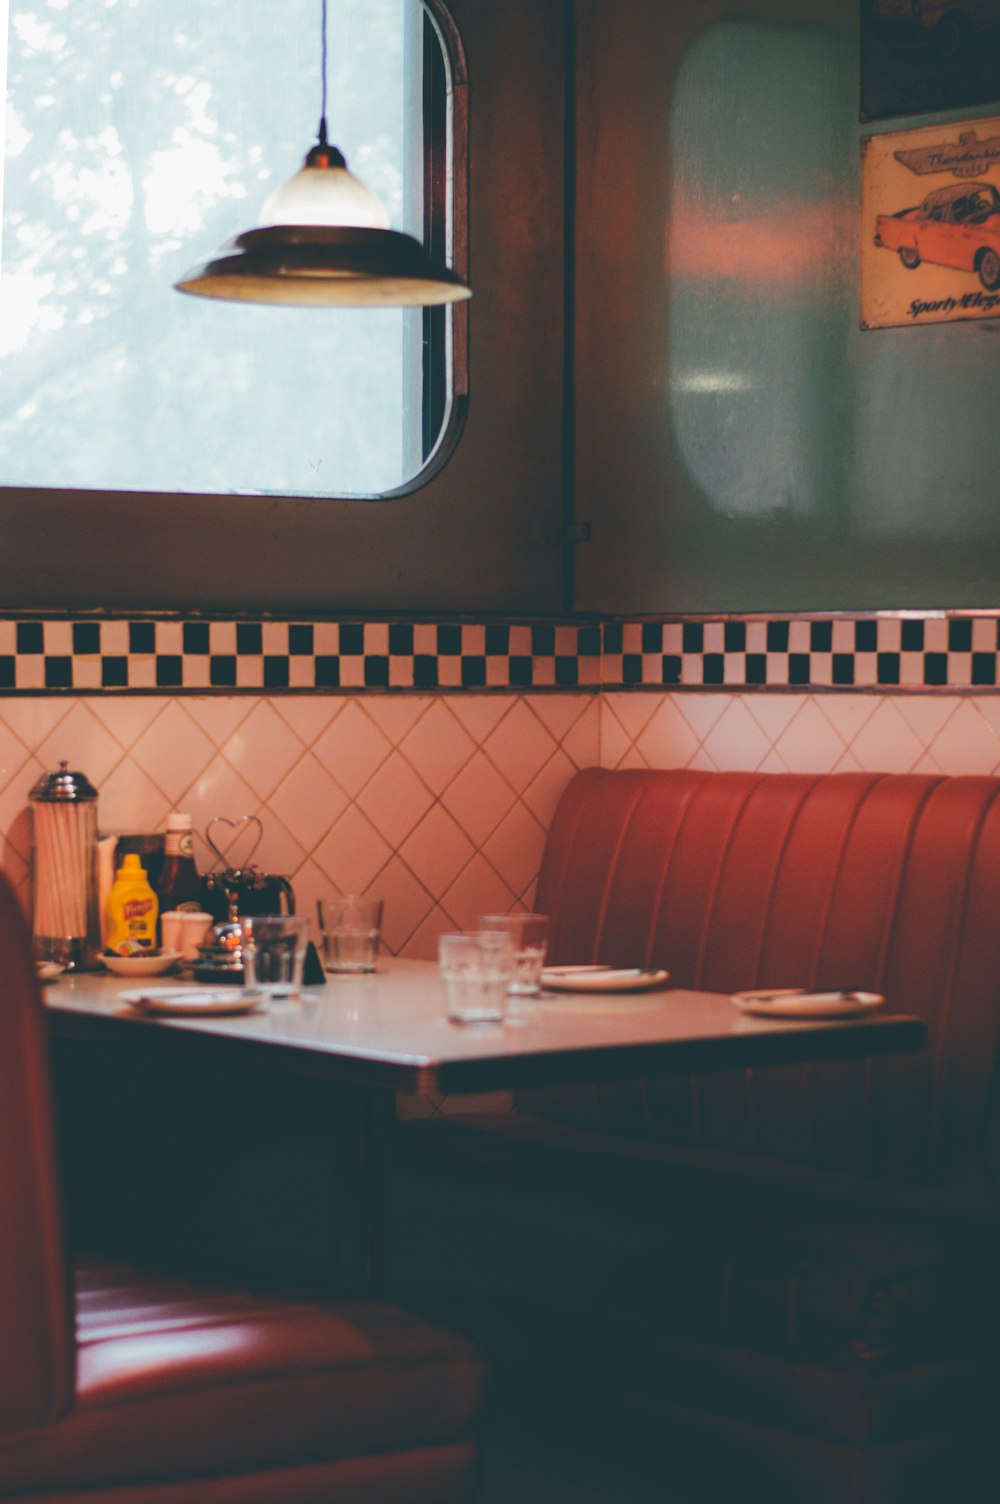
<point x="323" y="154"/>
<point x="322" y="116"/>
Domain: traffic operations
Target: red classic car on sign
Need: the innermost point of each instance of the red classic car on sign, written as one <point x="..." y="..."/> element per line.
<point x="957" y="226"/>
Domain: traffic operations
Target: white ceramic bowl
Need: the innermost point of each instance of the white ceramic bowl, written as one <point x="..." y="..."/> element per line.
<point x="144" y="965"/>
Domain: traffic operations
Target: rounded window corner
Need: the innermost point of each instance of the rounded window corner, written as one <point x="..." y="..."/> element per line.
<point x="441" y="455"/>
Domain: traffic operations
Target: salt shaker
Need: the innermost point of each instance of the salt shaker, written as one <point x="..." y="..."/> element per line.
<point x="65" y="910"/>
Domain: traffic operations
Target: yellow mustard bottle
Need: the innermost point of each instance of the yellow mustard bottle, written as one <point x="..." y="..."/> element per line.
<point x="132" y="909"/>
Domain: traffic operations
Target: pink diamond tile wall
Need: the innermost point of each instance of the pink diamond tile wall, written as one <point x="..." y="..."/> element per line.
<point x="439" y="802"/>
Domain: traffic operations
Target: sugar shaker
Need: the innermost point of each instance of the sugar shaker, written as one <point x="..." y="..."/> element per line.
<point x="65" y="909"/>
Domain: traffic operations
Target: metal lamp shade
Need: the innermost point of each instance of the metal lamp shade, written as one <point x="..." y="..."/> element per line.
<point x="325" y="266"/>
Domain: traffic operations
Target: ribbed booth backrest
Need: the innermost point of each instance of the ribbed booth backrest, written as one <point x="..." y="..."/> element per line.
<point x="739" y="880"/>
<point x="36" y="1340"/>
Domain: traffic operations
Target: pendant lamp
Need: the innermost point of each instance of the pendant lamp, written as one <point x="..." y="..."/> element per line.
<point x="323" y="241"/>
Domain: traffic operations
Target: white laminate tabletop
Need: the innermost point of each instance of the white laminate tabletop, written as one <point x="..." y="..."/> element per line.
<point x="389" y="1029"/>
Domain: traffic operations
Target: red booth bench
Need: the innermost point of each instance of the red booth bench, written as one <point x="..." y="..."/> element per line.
<point x="787" y="1276"/>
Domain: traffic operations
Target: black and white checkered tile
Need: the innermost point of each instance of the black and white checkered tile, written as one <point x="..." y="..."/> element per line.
<point x="884" y="652"/>
<point x="149" y="654"/>
<point x="48" y="654"/>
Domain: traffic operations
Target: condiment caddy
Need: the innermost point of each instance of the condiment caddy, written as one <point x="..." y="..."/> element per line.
<point x="88" y="907"/>
<point x="238" y="885"/>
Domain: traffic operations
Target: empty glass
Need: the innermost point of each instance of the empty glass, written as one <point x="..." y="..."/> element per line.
<point x="274" y="953"/>
<point x="476" y="970"/>
<point x="530" y="934"/>
<point x="350" y="928"/>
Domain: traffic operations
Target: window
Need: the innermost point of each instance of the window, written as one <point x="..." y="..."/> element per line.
<point x="483" y="531"/>
<point x="140" y="135"/>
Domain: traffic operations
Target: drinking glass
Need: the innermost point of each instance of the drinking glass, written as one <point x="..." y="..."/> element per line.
<point x="274" y="953"/>
<point x="351" y="928"/>
<point x="476" y="970"/>
<point x="530" y="934"/>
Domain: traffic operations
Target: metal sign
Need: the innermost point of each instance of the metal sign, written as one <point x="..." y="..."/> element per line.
<point x="930" y="225"/>
<point x="920" y="55"/>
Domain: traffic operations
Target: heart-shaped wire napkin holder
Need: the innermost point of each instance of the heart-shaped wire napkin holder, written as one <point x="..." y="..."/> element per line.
<point x="238" y="829"/>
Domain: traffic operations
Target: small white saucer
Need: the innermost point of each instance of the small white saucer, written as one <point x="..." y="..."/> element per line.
<point x="603" y="978"/>
<point x="193" y="1002"/>
<point x="790" y="1002"/>
<point x="142" y="965"/>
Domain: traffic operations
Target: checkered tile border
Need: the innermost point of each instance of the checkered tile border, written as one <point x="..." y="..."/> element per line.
<point x="882" y="652"/>
<point x="150" y="654"/>
<point x="45" y="655"/>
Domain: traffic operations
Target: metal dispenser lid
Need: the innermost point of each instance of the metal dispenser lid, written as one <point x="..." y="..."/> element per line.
<point x="63" y="787"/>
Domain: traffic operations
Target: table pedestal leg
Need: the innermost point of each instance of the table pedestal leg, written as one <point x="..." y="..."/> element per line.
<point x="364" y="1122"/>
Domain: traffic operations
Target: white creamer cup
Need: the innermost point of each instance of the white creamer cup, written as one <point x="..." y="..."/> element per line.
<point x="172" y="930"/>
<point x="195" y="925"/>
<point x="184" y="930"/>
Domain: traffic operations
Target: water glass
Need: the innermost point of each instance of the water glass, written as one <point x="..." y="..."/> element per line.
<point x="530" y="934"/>
<point x="274" y="953"/>
<point x="351" y="928"/>
<point x="476" y="970"/>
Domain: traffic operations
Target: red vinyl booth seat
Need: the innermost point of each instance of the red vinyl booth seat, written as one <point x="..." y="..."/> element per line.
<point x="737" y="880"/>
<point x="138" y="1388"/>
<point x="798" y="1265"/>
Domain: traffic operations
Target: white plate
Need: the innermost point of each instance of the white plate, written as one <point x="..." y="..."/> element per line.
<point x="602" y="978"/>
<point x="142" y="965"/>
<point x="789" y="1002"/>
<point x="193" y="1002"/>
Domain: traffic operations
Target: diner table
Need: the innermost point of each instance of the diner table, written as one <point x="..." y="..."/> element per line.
<point x="371" y="1036"/>
<point x="389" y="1030"/>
